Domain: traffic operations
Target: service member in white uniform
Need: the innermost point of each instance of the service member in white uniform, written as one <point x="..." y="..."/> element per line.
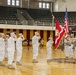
<point x="19" y="48"/>
<point x="35" y="44"/>
<point x="67" y="45"/>
<point x="2" y="48"/>
<point x="49" y="49"/>
<point x="6" y="46"/>
<point x="11" y="50"/>
<point x="72" y="46"/>
<point x="68" y="49"/>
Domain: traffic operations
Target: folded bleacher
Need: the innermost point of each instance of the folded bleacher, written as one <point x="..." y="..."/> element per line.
<point x="61" y="17"/>
<point x="41" y="17"/>
<point x="8" y="15"/>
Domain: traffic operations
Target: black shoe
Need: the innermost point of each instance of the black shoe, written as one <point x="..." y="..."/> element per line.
<point x="5" y="59"/>
<point x="48" y="60"/>
<point x="10" y="67"/>
<point x="35" y="61"/>
<point x="13" y="61"/>
<point x="66" y="58"/>
<point x="18" y="63"/>
<point x="1" y="64"/>
<point x="71" y="58"/>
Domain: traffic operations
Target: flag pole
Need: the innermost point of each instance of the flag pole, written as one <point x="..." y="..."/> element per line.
<point x="64" y="23"/>
<point x="52" y="21"/>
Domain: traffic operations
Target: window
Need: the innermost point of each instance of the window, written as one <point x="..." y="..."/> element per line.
<point x="47" y="5"/>
<point x="13" y="2"/>
<point x="17" y="2"/>
<point x="44" y="5"/>
<point x="9" y="2"/>
<point x="40" y="5"/>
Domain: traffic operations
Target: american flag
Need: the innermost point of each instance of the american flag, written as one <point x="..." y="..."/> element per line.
<point x="66" y="27"/>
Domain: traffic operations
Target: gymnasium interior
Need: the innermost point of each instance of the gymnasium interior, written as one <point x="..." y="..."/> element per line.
<point x="28" y="16"/>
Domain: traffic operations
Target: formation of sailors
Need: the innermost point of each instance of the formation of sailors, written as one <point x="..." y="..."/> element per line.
<point x="10" y="43"/>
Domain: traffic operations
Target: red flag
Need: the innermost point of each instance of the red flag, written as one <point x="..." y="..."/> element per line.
<point x="59" y="34"/>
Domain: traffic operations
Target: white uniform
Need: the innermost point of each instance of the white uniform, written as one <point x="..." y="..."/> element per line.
<point x="71" y="48"/>
<point x="19" y="49"/>
<point x="35" y="43"/>
<point x="75" y="47"/>
<point x="2" y="49"/>
<point x="6" y="46"/>
<point x="49" y="49"/>
<point x="66" y="48"/>
<point x="11" y="49"/>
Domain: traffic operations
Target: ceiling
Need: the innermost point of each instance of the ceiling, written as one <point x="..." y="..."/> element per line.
<point x="45" y="0"/>
<point x="48" y="0"/>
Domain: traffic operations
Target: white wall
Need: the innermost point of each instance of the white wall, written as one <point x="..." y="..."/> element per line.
<point x="60" y="5"/>
<point x="4" y="26"/>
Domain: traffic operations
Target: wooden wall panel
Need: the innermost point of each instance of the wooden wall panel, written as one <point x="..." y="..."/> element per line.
<point x="45" y="37"/>
<point x="28" y="36"/>
<point x="25" y="33"/>
<point x="31" y="34"/>
<point x="41" y="33"/>
<point x="48" y="34"/>
<point x="5" y="31"/>
<point x="1" y="30"/>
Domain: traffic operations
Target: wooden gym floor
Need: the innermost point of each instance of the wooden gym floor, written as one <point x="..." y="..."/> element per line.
<point x="41" y="68"/>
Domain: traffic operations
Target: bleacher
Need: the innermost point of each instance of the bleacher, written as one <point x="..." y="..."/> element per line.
<point x="43" y="17"/>
<point x="8" y="15"/>
<point x="61" y="17"/>
<point x="40" y="16"/>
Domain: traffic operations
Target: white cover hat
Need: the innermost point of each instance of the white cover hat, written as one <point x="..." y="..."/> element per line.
<point x="72" y="35"/>
<point x="12" y="34"/>
<point x="20" y="34"/>
<point x="36" y="33"/>
<point x="2" y="34"/>
<point x="50" y="38"/>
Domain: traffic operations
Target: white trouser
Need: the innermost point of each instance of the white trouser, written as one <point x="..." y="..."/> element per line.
<point x="6" y="53"/>
<point x="71" y="52"/>
<point x="10" y="56"/>
<point x="1" y="55"/>
<point x="19" y="55"/>
<point x="35" y="52"/>
<point x="49" y="53"/>
<point x="67" y="50"/>
<point x="75" y="51"/>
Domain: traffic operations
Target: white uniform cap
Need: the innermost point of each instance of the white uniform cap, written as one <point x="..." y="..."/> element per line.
<point x="72" y="35"/>
<point x="12" y="34"/>
<point x="7" y="35"/>
<point x="50" y="38"/>
<point x="36" y="33"/>
<point x="2" y="34"/>
<point x="20" y="34"/>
